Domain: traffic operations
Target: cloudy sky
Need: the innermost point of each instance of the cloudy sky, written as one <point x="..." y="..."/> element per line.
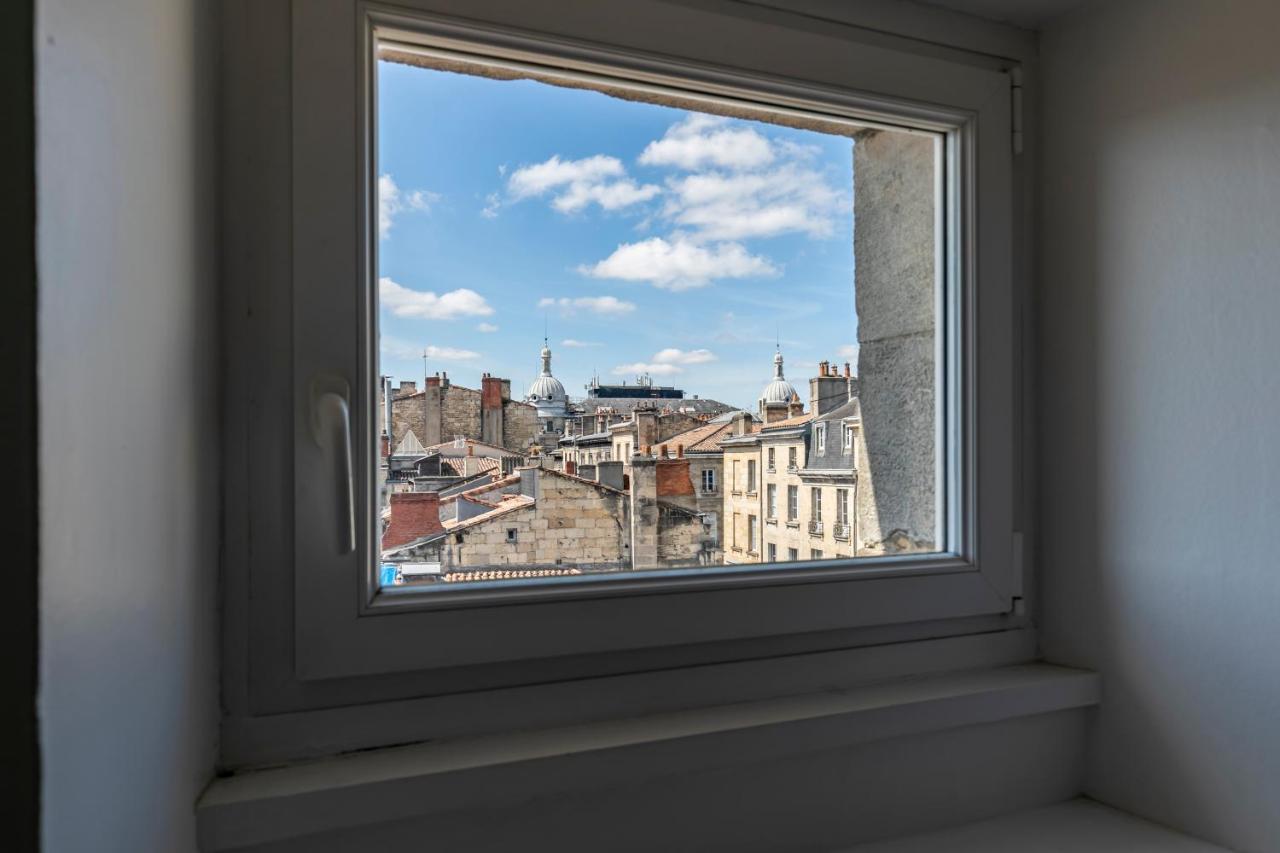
<point x="644" y="238"/>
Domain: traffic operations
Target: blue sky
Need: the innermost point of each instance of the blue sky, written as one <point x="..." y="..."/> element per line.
<point x="646" y="238"/>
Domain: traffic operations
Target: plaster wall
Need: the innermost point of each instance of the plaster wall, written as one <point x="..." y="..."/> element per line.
<point x="129" y="450"/>
<point x="1159" y="499"/>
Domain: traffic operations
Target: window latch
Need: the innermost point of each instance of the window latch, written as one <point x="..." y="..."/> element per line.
<point x="331" y="430"/>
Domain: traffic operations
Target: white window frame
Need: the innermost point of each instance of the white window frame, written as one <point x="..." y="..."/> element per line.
<point x="313" y="628"/>
<point x="771" y="500"/>
<point x="820" y="439"/>
<point x="793" y="503"/>
<point x="708" y="480"/>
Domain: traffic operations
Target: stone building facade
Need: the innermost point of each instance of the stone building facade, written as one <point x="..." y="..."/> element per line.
<point x="441" y="411"/>
<point x="544" y="519"/>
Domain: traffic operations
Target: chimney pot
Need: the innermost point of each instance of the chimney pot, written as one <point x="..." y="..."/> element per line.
<point x="846" y="370"/>
<point x="680" y="451"/>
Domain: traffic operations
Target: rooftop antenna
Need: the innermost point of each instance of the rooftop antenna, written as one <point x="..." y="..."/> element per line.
<point x="424" y="367"/>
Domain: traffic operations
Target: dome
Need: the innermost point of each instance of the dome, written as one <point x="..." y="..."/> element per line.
<point x="546" y="388"/>
<point x="779" y="391"/>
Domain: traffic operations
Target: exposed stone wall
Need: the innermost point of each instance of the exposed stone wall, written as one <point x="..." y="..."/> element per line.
<point x="460" y="413"/>
<point x="680" y="537"/>
<point x="894" y="255"/>
<point x="571" y="521"/>
<point x="441" y="411"/>
<point x="519" y="424"/>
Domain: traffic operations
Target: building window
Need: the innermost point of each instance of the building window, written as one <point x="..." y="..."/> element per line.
<point x="733" y="531"/>
<point x="815" y="503"/>
<point x="771" y="501"/>
<point x="793" y="554"/>
<point x="733" y="478"/>
<point x="708" y="480"/>
<point x="793" y="503"/>
<point x="820" y="438"/>
<point x="848" y="437"/>
<point x="753" y="534"/>
<point x="770" y="467"/>
<point x="791" y="459"/>
<point x="815" y="554"/>
<point x="771" y="552"/>
<point x="512" y="534"/>
<point x="751" y="475"/>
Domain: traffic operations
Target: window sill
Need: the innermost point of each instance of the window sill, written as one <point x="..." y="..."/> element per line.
<point x="793" y="524"/>
<point x="417" y="780"/>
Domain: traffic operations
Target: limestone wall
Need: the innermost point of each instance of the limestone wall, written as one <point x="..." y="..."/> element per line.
<point x="894" y="274"/>
<point x="519" y="424"/>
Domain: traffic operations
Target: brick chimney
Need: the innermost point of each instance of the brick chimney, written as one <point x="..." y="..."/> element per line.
<point x="795" y="408"/>
<point x="491" y="396"/>
<point x="413" y="516"/>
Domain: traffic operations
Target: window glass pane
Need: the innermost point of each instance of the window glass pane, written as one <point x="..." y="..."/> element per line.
<point x="595" y="303"/>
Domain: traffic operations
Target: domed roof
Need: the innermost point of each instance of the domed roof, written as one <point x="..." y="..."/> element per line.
<point x="546" y="386"/>
<point x="779" y="390"/>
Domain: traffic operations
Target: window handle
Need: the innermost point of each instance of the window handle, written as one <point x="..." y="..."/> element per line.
<point x="331" y="429"/>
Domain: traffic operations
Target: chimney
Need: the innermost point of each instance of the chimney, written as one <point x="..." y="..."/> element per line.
<point x="827" y="390"/>
<point x="386" y="446"/>
<point x="432" y="381"/>
<point x="645" y="512"/>
<point x="407" y="387"/>
<point x="847" y="374"/>
<point x="742" y="423"/>
<point x="413" y="516"/>
<point x="491" y="397"/>
<point x="646" y="421"/>
<point x="795" y="408"/>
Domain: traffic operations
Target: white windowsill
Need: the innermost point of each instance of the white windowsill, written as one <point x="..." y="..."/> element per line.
<point x="416" y="780"/>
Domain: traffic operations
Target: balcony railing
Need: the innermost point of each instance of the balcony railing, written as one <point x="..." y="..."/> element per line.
<point x="841" y="530"/>
<point x="815" y="528"/>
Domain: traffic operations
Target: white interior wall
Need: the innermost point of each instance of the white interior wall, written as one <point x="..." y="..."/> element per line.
<point x="129" y="450"/>
<point x="1159" y="397"/>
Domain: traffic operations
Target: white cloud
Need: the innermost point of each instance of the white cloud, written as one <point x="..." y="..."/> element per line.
<point x="492" y="202"/>
<point x="574" y="184"/>
<point x="425" y="305"/>
<point x="392" y="201"/>
<point x="606" y="305"/>
<point x="666" y="362"/>
<point x="701" y="140"/>
<point x="745" y="205"/>
<point x="573" y="344"/>
<point x="848" y="351"/>
<point x="487" y="328"/>
<point x="450" y="354"/>
<point x="399" y="348"/>
<point x="671" y="355"/>
<point x="680" y="264"/>
<point x="644" y="367"/>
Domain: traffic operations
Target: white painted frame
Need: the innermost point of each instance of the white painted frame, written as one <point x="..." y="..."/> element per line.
<point x="339" y="629"/>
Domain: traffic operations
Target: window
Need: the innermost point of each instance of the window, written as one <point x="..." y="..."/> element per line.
<point x="771" y="501"/>
<point x="815" y="554"/>
<point x="753" y="534"/>
<point x="751" y="475"/>
<point x="815" y="504"/>
<point x="848" y="437"/>
<point x="771" y="553"/>
<point x="733" y="533"/>
<point x="737" y="484"/>
<point x="842" y="506"/>
<point x="336" y="294"/>
<point x="512" y="535"/>
<point x="708" y="480"/>
<point x="820" y="438"/>
<point x="793" y="554"/>
<point x="793" y="503"/>
<point x="770" y="465"/>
